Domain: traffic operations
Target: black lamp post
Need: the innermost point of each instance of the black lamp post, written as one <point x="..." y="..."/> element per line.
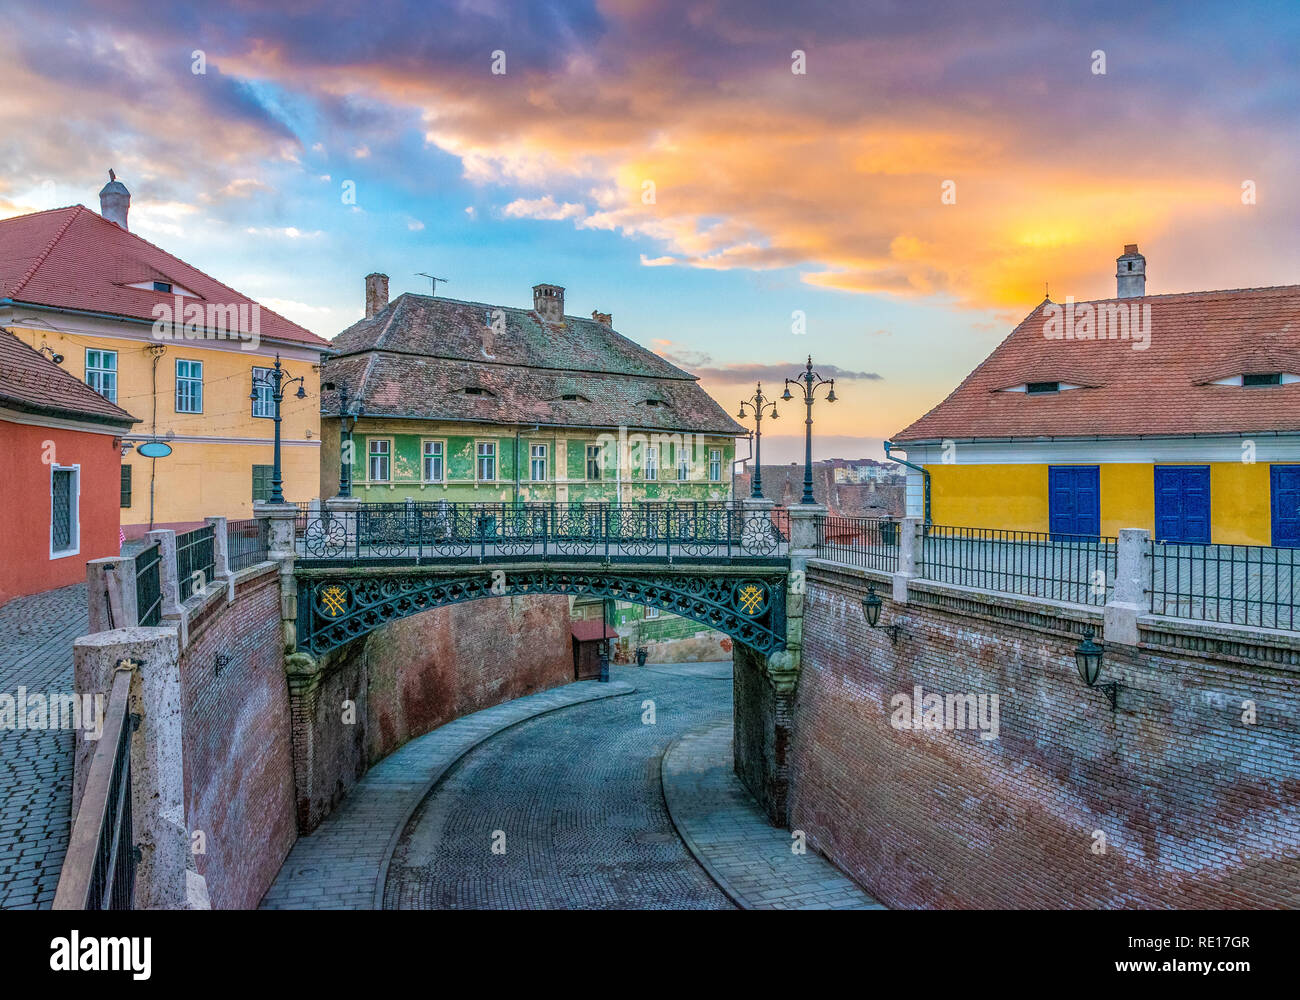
<point x="809" y="382"/>
<point x="1087" y="657"/>
<point x="757" y="404"/>
<point x="276" y="379"/>
<point x="347" y="423"/>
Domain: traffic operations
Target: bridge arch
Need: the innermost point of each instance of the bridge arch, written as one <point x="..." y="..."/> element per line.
<point x="336" y="606"/>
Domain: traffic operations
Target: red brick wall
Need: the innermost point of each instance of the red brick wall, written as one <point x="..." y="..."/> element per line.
<point x="238" y="760"/>
<point x="1198" y="809"/>
<point x="414" y="675"/>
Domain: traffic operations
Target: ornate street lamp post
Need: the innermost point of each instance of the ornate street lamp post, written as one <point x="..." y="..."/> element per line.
<point x="347" y="423"/>
<point x="757" y="404"/>
<point x="809" y="382"/>
<point x="276" y="379"/>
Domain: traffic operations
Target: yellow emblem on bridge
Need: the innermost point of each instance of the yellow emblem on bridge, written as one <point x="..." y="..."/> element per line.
<point x="750" y="597"/>
<point x="333" y="600"/>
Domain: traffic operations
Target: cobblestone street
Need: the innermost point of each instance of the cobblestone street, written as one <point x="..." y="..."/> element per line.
<point x="36" y="636"/>
<point x="578" y="797"/>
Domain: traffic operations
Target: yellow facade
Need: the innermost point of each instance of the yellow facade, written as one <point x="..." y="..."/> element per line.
<point x="210" y="470"/>
<point x="1014" y="497"/>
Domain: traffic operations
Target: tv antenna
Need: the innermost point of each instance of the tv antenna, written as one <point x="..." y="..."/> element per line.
<point x="433" y="281"/>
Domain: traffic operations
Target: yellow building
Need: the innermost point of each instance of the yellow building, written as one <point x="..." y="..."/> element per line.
<point x="174" y="346"/>
<point x="1179" y="414"/>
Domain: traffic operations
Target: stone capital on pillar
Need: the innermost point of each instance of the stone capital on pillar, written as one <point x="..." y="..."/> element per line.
<point x="803" y="525"/>
<point x="282" y="520"/>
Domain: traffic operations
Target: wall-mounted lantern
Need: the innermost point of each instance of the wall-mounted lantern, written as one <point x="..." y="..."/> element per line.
<point x="1087" y="657"/>
<point x="871" y="605"/>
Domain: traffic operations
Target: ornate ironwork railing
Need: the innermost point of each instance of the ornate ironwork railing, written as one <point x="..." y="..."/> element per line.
<point x="1077" y="569"/>
<point x="420" y="532"/>
<point x="148" y="586"/>
<point x="99" y="868"/>
<point x="871" y="543"/>
<point x="1238" y="584"/>
<point x="246" y="542"/>
<point x="195" y="560"/>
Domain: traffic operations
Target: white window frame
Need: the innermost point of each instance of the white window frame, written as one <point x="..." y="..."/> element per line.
<point x="265" y="393"/>
<point x="537" y="453"/>
<point x="425" y="457"/>
<point x="587" y="457"/>
<point x="74" y="515"/>
<point x="99" y="383"/>
<point x="683" y="464"/>
<point x="715" y="462"/>
<point x="650" y="612"/>
<point x="386" y="455"/>
<point x="479" y="456"/>
<point x="191" y="380"/>
<point x="651" y="463"/>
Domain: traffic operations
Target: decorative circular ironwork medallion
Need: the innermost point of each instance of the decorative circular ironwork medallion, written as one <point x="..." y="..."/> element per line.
<point x="750" y="598"/>
<point x="333" y="600"/>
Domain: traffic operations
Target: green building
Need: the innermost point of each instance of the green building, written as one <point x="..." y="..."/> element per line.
<point x="476" y="403"/>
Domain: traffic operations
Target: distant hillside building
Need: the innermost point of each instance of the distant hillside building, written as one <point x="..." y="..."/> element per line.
<point x="783" y="485"/>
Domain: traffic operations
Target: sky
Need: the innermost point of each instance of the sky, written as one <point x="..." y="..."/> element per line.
<point x="887" y="187"/>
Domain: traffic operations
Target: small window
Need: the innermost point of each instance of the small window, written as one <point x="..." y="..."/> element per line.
<point x="683" y="464"/>
<point x="573" y="397"/>
<point x="263" y="405"/>
<point x="473" y="390"/>
<point x="593" y="462"/>
<point x="101" y="373"/>
<point x="65" y="524"/>
<point x="433" y="455"/>
<point x="537" y="463"/>
<point x="162" y="286"/>
<point x="189" y="386"/>
<point x="1261" y="378"/>
<point x="651" y="613"/>
<point x="262" y="476"/>
<point x="651" y="462"/>
<point x="487" y="461"/>
<point x="654" y="402"/>
<point x="126" y="486"/>
<point x="1039" y="388"/>
<point x="715" y="465"/>
<point x="379" y="452"/>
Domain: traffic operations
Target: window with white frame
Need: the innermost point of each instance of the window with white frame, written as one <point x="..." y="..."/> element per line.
<point x="380" y="453"/>
<point x="651" y="462"/>
<point x="537" y="463"/>
<point x="487" y="461"/>
<point x="651" y="612"/>
<point x="433" y="456"/>
<point x="101" y="373"/>
<point x="593" y="461"/>
<point x="263" y="404"/>
<point x="715" y="465"/>
<point x="189" y="386"/>
<point x="65" y="513"/>
<point x="683" y="463"/>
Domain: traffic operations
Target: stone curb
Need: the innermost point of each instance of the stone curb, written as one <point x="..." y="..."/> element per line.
<point x="612" y="689"/>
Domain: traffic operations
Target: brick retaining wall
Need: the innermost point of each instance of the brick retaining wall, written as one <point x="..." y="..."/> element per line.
<point x="1197" y="808"/>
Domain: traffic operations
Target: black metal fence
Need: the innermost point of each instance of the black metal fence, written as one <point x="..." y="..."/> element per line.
<point x="1237" y="584"/>
<point x="148" y="586"/>
<point x="474" y="532"/>
<point x="871" y="543"/>
<point x="99" y="867"/>
<point x="246" y="543"/>
<point x="195" y="554"/>
<point x="1078" y="569"/>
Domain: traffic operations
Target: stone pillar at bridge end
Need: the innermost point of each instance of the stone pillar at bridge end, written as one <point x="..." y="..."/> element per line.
<point x="281" y="519"/>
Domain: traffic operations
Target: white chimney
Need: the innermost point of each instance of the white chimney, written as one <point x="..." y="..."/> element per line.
<point x="1130" y="273"/>
<point x="115" y="201"/>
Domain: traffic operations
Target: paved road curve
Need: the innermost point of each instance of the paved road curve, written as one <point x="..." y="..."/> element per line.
<point x="578" y="797"/>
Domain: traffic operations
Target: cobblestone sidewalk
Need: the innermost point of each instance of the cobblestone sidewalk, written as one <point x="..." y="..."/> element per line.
<point x="36" y="636"/>
<point x="341" y="864"/>
<point x="730" y="836"/>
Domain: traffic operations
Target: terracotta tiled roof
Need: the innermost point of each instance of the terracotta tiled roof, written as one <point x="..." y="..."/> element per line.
<point x="1195" y="338"/>
<point x="592" y="631"/>
<point x="783" y="485"/>
<point x="417" y="357"/>
<point x="32" y="383"/>
<point x="73" y="258"/>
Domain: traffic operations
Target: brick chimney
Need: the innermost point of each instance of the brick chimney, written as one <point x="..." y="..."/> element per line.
<point x="376" y="293"/>
<point x="114" y="201"/>
<point x="600" y="317"/>
<point x="1130" y="273"/>
<point x="548" y="301"/>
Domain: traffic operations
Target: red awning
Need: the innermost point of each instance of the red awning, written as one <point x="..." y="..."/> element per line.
<point x="592" y="631"/>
